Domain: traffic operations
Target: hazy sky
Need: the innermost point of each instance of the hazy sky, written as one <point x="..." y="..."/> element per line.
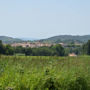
<point x="44" y="18"/>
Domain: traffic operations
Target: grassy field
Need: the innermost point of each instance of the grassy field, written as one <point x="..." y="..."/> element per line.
<point x="44" y="73"/>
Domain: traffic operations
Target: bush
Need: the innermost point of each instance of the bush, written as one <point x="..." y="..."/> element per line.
<point x="50" y="84"/>
<point x="79" y="84"/>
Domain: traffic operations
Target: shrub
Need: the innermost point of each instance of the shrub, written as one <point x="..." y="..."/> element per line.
<point x="50" y="84"/>
<point x="79" y="84"/>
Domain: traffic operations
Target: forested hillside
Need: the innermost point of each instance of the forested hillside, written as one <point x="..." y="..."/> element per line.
<point x="67" y="39"/>
<point x="8" y="40"/>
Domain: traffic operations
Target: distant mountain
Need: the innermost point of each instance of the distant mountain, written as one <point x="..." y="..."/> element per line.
<point x="56" y="39"/>
<point x="9" y="40"/>
<point x="67" y="39"/>
<point x="31" y="39"/>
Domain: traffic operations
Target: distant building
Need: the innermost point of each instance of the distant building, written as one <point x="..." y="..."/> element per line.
<point x="72" y="55"/>
<point x="61" y="44"/>
<point x="32" y="45"/>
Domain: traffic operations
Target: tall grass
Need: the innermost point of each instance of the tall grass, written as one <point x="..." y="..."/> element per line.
<point x="44" y="73"/>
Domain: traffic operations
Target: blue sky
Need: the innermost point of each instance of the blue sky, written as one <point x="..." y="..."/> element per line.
<point x="44" y="18"/>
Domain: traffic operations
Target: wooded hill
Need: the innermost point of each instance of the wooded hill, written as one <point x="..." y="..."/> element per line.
<point x="67" y="39"/>
<point x="9" y="40"/>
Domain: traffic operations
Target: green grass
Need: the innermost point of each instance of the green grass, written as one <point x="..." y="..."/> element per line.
<point x="44" y="73"/>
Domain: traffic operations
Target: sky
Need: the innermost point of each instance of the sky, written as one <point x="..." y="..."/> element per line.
<point x="44" y="18"/>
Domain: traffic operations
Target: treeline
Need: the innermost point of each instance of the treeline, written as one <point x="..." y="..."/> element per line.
<point x="86" y="48"/>
<point x="6" y="49"/>
<point x="56" y="50"/>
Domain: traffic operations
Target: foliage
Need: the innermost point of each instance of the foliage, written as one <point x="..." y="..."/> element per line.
<point x="28" y="51"/>
<point x="9" y="40"/>
<point x="59" y="50"/>
<point x="19" y="49"/>
<point x="67" y="39"/>
<point x="44" y="73"/>
<point x="79" y="84"/>
<point x="56" y="50"/>
<point x="2" y="48"/>
<point x="71" y="48"/>
<point x="86" y="48"/>
<point x="6" y="49"/>
<point x="9" y="50"/>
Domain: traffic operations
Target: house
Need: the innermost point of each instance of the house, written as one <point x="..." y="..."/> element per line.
<point x="32" y="45"/>
<point x="72" y="55"/>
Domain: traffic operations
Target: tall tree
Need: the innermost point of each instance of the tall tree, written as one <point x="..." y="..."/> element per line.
<point x="2" y="49"/>
<point x="59" y="50"/>
<point x="9" y="50"/>
<point x="28" y="51"/>
<point x="88" y="47"/>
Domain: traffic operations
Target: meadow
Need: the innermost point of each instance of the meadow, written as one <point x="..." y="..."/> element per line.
<point x="44" y="73"/>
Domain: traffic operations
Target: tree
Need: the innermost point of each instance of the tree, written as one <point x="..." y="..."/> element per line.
<point x="2" y="48"/>
<point x="28" y="51"/>
<point x="19" y="49"/>
<point x="86" y="48"/>
<point x="9" y="50"/>
<point x="44" y="51"/>
<point x="59" y="50"/>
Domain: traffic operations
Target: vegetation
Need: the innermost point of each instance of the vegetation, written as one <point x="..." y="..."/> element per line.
<point x="72" y="48"/>
<point x="86" y="48"/>
<point x="44" y="73"/>
<point x="9" y="40"/>
<point x="6" y="49"/>
<point x="43" y="69"/>
<point x="56" y="50"/>
<point x="67" y="39"/>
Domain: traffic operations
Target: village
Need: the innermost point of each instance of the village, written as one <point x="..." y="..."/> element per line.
<point x="39" y="44"/>
<point x="31" y="45"/>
